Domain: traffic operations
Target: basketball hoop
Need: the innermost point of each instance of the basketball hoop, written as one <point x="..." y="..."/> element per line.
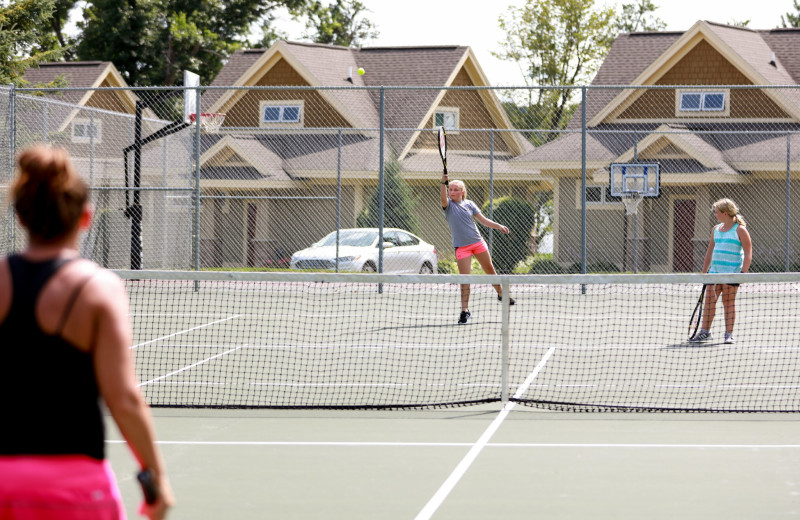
<point x="631" y="200"/>
<point x="209" y="121"/>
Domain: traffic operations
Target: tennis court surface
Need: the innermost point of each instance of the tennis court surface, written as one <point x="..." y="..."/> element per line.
<point x="334" y="396"/>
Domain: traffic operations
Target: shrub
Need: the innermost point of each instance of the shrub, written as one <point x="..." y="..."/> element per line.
<point x="447" y="267"/>
<point x="764" y="267"/>
<point x="546" y="266"/>
<point x="509" y="250"/>
<point x="596" y="267"/>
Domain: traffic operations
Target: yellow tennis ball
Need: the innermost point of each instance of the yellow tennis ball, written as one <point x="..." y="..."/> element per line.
<point x="361" y="71"/>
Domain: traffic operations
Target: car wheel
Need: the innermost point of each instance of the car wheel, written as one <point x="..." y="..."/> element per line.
<point x="426" y="268"/>
<point x="369" y="267"/>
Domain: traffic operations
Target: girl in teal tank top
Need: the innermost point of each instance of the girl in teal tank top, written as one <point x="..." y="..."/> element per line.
<point x="730" y="251"/>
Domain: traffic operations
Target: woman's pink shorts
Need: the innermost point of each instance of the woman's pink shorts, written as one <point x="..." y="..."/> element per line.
<point x="472" y="249"/>
<point x="63" y="487"/>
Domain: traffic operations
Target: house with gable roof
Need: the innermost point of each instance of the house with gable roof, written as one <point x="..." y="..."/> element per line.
<point x="77" y="116"/>
<point x="92" y="116"/>
<point x="715" y="138"/>
<point x="296" y="128"/>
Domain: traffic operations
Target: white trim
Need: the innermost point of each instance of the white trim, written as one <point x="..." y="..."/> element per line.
<point x="447" y="110"/>
<point x="283" y="104"/>
<point x="671" y="224"/>
<point x="98" y="125"/>
<point x="725" y="111"/>
<point x="607" y="202"/>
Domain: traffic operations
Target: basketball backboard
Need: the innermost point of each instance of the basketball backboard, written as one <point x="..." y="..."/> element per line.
<point x="634" y="179"/>
<point x="190" y="80"/>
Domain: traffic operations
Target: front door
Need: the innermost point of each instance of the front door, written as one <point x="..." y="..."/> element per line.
<point x="682" y="234"/>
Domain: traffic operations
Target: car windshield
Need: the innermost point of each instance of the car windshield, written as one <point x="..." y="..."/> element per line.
<point x="355" y="238"/>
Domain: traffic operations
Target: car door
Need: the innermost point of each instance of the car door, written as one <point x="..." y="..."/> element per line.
<point x="410" y="257"/>
<point x="391" y="255"/>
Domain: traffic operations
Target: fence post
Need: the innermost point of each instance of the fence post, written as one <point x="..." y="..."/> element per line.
<point x="338" y="194"/>
<point x="583" y="185"/>
<point x="380" y="186"/>
<point x="491" y="185"/>
<point x="788" y="194"/>
<point x="196" y="223"/>
<point x="12" y="144"/>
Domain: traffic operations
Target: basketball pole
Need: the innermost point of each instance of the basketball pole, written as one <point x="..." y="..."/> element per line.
<point x="134" y="211"/>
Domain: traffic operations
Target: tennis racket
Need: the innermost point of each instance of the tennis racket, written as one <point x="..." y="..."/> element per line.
<point x="697" y="315"/>
<point x="443" y="147"/>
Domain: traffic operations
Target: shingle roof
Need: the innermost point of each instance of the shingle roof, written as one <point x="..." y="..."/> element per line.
<point x="78" y="74"/>
<point x="632" y="53"/>
<point x="384" y="66"/>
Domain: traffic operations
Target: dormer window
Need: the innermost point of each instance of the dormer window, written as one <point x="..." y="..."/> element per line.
<point x="699" y="103"/>
<point x="281" y="113"/>
<point x="84" y="130"/>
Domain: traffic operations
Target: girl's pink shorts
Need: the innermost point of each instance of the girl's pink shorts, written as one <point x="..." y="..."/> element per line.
<point x="63" y="487"/>
<point x="472" y="249"/>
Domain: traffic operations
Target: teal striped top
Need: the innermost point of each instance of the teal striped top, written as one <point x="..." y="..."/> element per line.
<point x="728" y="254"/>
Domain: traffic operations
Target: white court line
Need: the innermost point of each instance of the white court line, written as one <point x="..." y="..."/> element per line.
<point x="464" y="444"/>
<point x="191" y="366"/>
<point x="448" y="485"/>
<point x="185" y="331"/>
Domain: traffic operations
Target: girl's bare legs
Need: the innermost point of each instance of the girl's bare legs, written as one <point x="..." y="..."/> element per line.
<point x="464" y="267"/>
<point x="485" y="259"/>
<point x="729" y="305"/>
<point x="710" y="305"/>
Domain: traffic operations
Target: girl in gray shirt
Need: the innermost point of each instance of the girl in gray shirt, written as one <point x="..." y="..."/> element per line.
<point x="461" y="215"/>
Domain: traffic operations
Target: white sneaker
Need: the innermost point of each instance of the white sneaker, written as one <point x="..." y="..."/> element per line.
<point x="703" y="335"/>
<point x="729" y="337"/>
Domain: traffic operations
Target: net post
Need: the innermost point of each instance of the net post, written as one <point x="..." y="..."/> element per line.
<point x="505" y="335"/>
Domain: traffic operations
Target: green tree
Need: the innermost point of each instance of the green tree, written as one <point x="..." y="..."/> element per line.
<point x="120" y="32"/>
<point x="269" y="33"/>
<point x="792" y="19"/>
<point x="152" y="41"/>
<point x="556" y="43"/>
<point x="51" y="31"/>
<point x="508" y="250"/>
<point x="399" y="209"/>
<point x="19" y="21"/>
<point x="638" y="17"/>
<point x="340" y="23"/>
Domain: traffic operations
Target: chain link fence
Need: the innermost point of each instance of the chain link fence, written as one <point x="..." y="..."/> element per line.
<point x="291" y="166"/>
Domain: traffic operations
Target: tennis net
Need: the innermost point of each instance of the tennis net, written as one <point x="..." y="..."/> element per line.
<point x="581" y="342"/>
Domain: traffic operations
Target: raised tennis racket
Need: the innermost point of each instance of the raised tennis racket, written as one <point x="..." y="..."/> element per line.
<point x="443" y="147"/>
<point x="697" y="315"/>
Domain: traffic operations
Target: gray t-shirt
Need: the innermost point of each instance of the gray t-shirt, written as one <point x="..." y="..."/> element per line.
<point x="460" y="217"/>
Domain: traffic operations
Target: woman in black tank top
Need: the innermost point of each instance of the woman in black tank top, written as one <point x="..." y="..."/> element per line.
<point x="66" y="337"/>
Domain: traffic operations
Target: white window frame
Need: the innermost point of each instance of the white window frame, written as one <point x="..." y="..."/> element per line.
<point x="282" y="105"/>
<point x="87" y="124"/>
<point x="702" y="111"/>
<point x="455" y="111"/>
<point x="606" y="200"/>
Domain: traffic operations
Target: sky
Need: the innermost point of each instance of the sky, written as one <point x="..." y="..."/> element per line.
<point x="474" y="23"/>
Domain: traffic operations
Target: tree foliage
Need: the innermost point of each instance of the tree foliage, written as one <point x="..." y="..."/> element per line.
<point x="399" y="209"/>
<point x="556" y="43"/>
<point x="52" y="31"/>
<point x="19" y="23"/>
<point x="341" y="23"/>
<point x="508" y="250"/>
<point x="638" y="17"/>
<point x="792" y="19"/>
<point x="152" y="41"/>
